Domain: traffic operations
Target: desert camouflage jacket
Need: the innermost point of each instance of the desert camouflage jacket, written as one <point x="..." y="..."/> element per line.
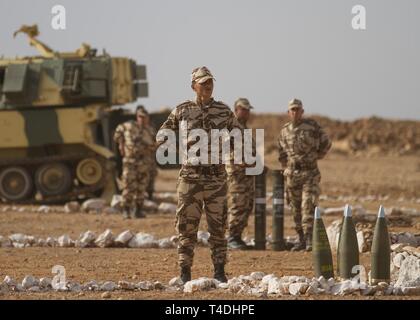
<point x="216" y="115"/>
<point x="138" y="140"/>
<point x="302" y="145"/>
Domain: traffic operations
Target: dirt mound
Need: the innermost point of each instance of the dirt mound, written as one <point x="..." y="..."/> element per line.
<point x="370" y="136"/>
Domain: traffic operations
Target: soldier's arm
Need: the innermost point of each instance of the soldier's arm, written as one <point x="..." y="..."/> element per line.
<point x="171" y="123"/>
<point x="282" y="152"/>
<point x="119" y="138"/>
<point x="324" y="144"/>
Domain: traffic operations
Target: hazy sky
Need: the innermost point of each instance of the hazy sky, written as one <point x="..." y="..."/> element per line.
<point x="268" y="51"/>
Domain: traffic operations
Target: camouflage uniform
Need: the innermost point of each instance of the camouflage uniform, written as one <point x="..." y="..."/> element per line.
<point x="201" y="187"/>
<point x="151" y="164"/>
<point x="138" y="143"/>
<point x="240" y="199"/>
<point x="301" y="146"/>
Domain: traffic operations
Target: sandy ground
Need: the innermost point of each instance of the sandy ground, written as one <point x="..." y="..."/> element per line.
<point x="396" y="177"/>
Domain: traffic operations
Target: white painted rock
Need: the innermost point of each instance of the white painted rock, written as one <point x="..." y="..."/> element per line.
<point x="92" y="285"/>
<point x="166" y="207"/>
<point x="143" y="240"/>
<point x="275" y="286"/>
<point x="363" y="247"/>
<point x="124" y="237"/>
<point x="18" y="238"/>
<point x="34" y="289"/>
<point x="203" y="237"/>
<point x="116" y="201"/>
<point x="108" y="286"/>
<point x="412" y="250"/>
<point x="323" y="283"/>
<point x="96" y="204"/>
<point x="45" y="282"/>
<point x="257" y="275"/>
<point x="29" y="281"/>
<point x="72" y="207"/>
<point x="10" y="281"/>
<point x="51" y="242"/>
<point x="145" y="285"/>
<point x="266" y="279"/>
<point x="398" y="259"/>
<point x="333" y="233"/>
<point x="409" y="275"/>
<point x="65" y="241"/>
<point x="166" y="243"/>
<point x="200" y="284"/>
<point x="105" y="239"/>
<point x="176" y="282"/>
<point x="397" y="247"/>
<point x="298" y="288"/>
<point x="44" y="209"/>
<point x="125" y="285"/>
<point x="87" y="239"/>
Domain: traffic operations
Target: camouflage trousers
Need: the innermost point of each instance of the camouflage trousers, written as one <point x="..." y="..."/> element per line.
<point x="302" y="194"/>
<point x="135" y="177"/>
<point x="206" y="194"/>
<point x="150" y="188"/>
<point x="240" y="201"/>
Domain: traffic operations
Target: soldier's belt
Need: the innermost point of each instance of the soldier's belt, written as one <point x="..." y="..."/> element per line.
<point x="302" y="166"/>
<point x="207" y="170"/>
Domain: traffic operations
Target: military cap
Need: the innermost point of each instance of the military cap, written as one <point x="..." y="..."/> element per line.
<point x="201" y="75"/>
<point x="243" y="103"/>
<point x="295" y="103"/>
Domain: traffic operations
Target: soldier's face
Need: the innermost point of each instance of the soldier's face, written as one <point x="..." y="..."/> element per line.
<point x="295" y="114"/>
<point x="242" y="114"/>
<point x="141" y="119"/>
<point x="204" y="90"/>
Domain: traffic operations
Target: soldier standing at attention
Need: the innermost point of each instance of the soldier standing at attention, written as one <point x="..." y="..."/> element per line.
<point x="151" y="158"/>
<point x="301" y="143"/>
<point x="135" y="145"/>
<point x="202" y="187"/>
<point x="240" y="187"/>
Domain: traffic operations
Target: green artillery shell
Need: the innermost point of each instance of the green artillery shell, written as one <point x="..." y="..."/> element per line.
<point x="260" y="215"/>
<point x="321" y="250"/>
<point x="348" y="250"/>
<point x="278" y="211"/>
<point x="381" y="251"/>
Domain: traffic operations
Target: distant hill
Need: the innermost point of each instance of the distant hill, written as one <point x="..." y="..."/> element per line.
<point x="367" y="136"/>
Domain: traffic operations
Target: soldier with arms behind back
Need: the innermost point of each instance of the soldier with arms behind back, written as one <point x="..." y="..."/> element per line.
<point x="301" y="143"/>
<point x="135" y="144"/>
<point x="240" y="200"/>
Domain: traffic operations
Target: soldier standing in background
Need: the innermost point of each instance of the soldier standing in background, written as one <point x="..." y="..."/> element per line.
<point x="301" y="143"/>
<point x="240" y="187"/>
<point x="202" y="187"/>
<point x="135" y="145"/>
<point x="151" y="159"/>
